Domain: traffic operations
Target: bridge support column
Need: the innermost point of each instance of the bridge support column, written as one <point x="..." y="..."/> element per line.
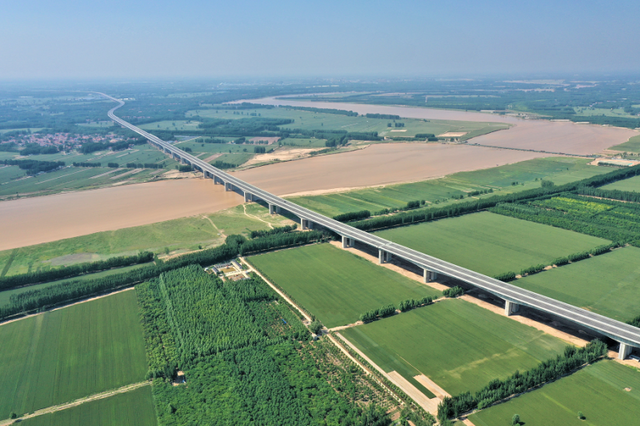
<point x="227" y="186"/>
<point x="305" y="224"/>
<point x="510" y="308"/>
<point x="429" y="276"/>
<point x="347" y="242"/>
<point x="624" y="350"/>
<point x="247" y="197"/>
<point x="272" y="209"/>
<point x="383" y="256"/>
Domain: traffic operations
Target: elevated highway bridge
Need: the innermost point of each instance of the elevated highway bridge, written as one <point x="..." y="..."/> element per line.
<point x="514" y="297"/>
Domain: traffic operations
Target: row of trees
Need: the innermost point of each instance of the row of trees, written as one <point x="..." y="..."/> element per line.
<point x="374" y="314"/>
<point x="86" y="164"/>
<point x="33" y="167"/>
<point x="347" y="217"/>
<point x="29" y="278"/>
<point x="273" y="231"/>
<point x="497" y="390"/>
<point x="453" y="291"/>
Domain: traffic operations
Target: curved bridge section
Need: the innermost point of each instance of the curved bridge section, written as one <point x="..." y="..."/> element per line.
<point x="514" y="297"/>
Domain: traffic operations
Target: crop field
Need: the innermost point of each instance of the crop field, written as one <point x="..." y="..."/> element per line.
<point x="134" y="408"/>
<point x="303" y="143"/>
<point x="334" y="285"/>
<point x="70" y="353"/>
<point x="631" y="184"/>
<point x="606" y="393"/>
<point x="173" y="236"/>
<point x="491" y="244"/>
<point x="322" y="121"/>
<point x="605" y="284"/>
<point x="503" y="179"/>
<point x="632" y="145"/>
<point x="458" y="345"/>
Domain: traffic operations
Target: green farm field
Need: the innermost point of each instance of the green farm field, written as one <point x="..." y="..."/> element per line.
<point x="172" y="125"/>
<point x="175" y="236"/>
<point x="632" y="145"/>
<point x="134" y="408"/>
<point x="307" y="120"/>
<point x="491" y="244"/>
<point x="334" y="285"/>
<point x="458" y="345"/>
<point x="631" y="184"/>
<point x="607" y="284"/>
<point x="503" y="179"/>
<point x="70" y="353"/>
<point x="598" y="391"/>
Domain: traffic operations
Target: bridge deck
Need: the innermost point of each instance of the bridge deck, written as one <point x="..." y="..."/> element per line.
<point x="609" y="327"/>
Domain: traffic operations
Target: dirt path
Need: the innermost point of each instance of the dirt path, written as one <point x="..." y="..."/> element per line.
<point x="67" y="306"/>
<point x="214" y="225"/>
<point x="244" y="207"/>
<point x="430" y="405"/>
<point x="77" y="402"/>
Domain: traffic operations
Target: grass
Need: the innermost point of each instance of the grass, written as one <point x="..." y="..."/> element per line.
<point x="458" y="345"/>
<point x="505" y="179"/>
<point x="631" y="184"/>
<point x="172" y="125"/>
<point x="176" y="236"/>
<point x="607" y="112"/>
<point x="70" y="353"/>
<point x="335" y="285"/>
<point x="323" y="121"/>
<point x="598" y="391"/>
<point x="491" y="244"/>
<point x="633" y="145"/>
<point x="134" y="408"/>
<point x="303" y="143"/>
<point x="605" y="284"/>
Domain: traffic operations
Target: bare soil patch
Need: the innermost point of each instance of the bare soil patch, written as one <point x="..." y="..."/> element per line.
<point x="212" y="157"/>
<point x="452" y="135"/>
<point x="268" y="139"/>
<point x="281" y="155"/>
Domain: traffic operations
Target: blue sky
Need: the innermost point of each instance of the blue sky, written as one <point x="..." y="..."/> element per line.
<point x="151" y="39"/>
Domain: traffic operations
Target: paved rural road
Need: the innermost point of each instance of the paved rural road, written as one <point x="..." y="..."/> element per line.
<point x="609" y="327"/>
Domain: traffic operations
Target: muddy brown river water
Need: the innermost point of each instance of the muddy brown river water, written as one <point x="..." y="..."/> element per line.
<point x="50" y="218"/>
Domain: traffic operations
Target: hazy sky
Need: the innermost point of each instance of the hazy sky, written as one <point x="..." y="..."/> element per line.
<point x="143" y="39"/>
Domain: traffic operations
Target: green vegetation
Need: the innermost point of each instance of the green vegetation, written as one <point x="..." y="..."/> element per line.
<point x="606" y="284"/>
<point x="631" y="184"/>
<point x="70" y="353"/>
<point x="458" y="345"/>
<point x="169" y="237"/>
<point x="303" y="142"/>
<point x="133" y="408"/>
<point x="616" y="221"/>
<point x="245" y="356"/>
<point x="490" y="244"/>
<point x="633" y="145"/>
<point x="606" y="393"/>
<point x="334" y="285"/>
<point x="497" y="390"/>
<point x="503" y="179"/>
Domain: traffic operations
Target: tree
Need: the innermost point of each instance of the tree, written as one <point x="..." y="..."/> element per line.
<point x="581" y="416"/>
<point x="315" y="327"/>
<point x="515" y="420"/>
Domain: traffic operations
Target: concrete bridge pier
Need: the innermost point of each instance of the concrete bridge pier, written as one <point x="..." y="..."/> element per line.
<point x="347" y="242"/>
<point x="247" y="197"/>
<point x="273" y="209"/>
<point x="624" y="350"/>
<point x="305" y="224"/>
<point x="227" y="186"/>
<point x="510" y="308"/>
<point x="383" y="256"/>
<point x="216" y="180"/>
<point x="429" y="276"/>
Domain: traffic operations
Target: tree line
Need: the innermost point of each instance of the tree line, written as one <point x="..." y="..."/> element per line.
<point x="497" y="390"/>
<point x="33" y="167"/>
<point x="274" y="231"/>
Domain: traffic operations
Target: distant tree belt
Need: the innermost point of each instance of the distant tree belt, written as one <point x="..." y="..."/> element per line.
<point x="242" y="126"/>
<point x="383" y="116"/>
<point x="35" y="149"/>
<point x="497" y="390"/>
<point x="20" y="280"/>
<point x="614" y="194"/>
<point x="259" y="150"/>
<point x="86" y="164"/>
<point x="326" y="111"/>
<point x="234" y="246"/>
<point x="434" y="213"/>
<point x="220" y="165"/>
<point x="33" y="167"/>
<point x="146" y="166"/>
<point x="8" y="147"/>
<point x="346" y="217"/>
<point x="274" y="231"/>
<point x="425" y="135"/>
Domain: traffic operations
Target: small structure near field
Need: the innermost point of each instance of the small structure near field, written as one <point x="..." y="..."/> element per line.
<point x="233" y="270"/>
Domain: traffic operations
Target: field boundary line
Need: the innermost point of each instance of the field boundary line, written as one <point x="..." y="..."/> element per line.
<point x="75" y="403"/>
